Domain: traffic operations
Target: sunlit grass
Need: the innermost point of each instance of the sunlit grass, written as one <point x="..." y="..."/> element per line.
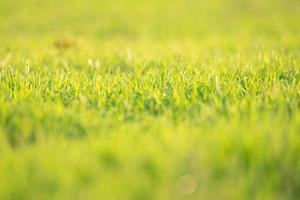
<point x="149" y="100"/>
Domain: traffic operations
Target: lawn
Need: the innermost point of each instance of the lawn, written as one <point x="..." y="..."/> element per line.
<point x="149" y="100"/>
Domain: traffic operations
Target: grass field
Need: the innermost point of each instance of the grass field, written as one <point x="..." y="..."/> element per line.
<point x="145" y="100"/>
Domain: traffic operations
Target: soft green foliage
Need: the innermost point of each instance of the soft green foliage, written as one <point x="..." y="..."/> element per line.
<point x="142" y="100"/>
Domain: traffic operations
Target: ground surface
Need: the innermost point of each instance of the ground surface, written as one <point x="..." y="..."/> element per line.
<point x="149" y="99"/>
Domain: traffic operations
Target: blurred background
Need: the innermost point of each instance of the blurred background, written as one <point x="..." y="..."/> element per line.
<point x="134" y="19"/>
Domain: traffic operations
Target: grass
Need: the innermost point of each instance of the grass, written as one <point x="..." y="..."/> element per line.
<point x="149" y="100"/>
